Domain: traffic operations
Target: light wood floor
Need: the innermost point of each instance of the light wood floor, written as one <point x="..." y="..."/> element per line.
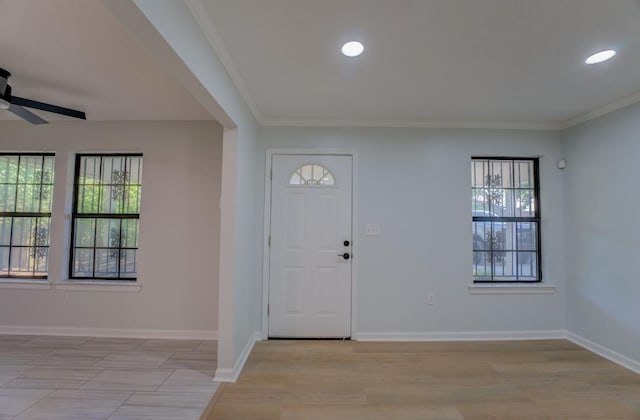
<point x="552" y="379"/>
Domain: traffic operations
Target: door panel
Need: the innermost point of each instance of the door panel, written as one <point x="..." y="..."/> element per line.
<point x="294" y="213"/>
<point x="309" y="280"/>
<point x="294" y="277"/>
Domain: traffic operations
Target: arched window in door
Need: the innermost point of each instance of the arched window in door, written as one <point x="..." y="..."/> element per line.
<point x="312" y="174"/>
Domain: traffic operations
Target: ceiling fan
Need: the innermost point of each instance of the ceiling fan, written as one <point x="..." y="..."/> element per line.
<point x="16" y="105"/>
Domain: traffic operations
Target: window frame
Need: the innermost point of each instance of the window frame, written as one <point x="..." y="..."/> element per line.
<point x="312" y="182"/>
<point x="35" y="215"/>
<point x="514" y="219"/>
<point x="76" y="215"/>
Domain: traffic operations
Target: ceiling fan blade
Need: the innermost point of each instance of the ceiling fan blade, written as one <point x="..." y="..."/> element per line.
<point x="25" y="114"/>
<point x="29" y="103"/>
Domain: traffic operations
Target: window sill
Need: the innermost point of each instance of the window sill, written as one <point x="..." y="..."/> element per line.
<point x="98" y="286"/>
<point x="25" y="284"/>
<point x="512" y="289"/>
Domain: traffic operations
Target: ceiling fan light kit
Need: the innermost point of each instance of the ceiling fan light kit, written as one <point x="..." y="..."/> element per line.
<point x="18" y="106"/>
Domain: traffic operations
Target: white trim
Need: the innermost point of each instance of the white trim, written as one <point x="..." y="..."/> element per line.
<point x="98" y="286"/>
<point x="489" y="125"/>
<point x="512" y="289"/>
<point x="612" y="355"/>
<point x="25" y="284"/>
<point x="231" y="375"/>
<point x="227" y="253"/>
<point x="312" y="152"/>
<point x="109" y="332"/>
<point x="463" y="335"/>
<point x="199" y="12"/>
<point x="603" y="110"/>
<point x="267" y="229"/>
<point x="266" y="249"/>
<point x="354" y="243"/>
<point x="607" y="353"/>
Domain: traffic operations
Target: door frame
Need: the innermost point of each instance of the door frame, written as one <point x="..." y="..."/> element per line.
<point x="266" y="252"/>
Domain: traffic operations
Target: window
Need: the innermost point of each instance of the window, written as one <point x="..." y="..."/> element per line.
<point x="106" y="213"/>
<point x="26" y="192"/>
<point x="506" y="220"/>
<point x="311" y="175"/>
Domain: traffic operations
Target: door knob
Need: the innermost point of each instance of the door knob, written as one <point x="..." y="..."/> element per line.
<point x="346" y="243"/>
<point x="346" y="255"/>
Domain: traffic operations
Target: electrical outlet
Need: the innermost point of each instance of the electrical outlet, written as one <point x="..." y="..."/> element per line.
<point x="430" y="300"/>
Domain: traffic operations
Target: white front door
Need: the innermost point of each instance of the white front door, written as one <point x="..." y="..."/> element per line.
<point x="310" y="264"/>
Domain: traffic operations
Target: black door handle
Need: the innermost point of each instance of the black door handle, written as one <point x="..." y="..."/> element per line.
<point x="346" y="255"/>
<point x="346" y="243"/>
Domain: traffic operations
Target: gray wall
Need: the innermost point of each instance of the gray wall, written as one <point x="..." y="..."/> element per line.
<point x="198" y="67"/>
<point x="416" y="183"/>
<point x="603" y="236"/>
<point x="246" y="286"/>
<point x="179" y="228"/>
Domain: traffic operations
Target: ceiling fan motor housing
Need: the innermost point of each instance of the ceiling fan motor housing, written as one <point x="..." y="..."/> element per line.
<point x="5" y="89"/>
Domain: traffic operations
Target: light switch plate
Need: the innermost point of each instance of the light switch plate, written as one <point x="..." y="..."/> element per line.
<point x="372" y="230"/>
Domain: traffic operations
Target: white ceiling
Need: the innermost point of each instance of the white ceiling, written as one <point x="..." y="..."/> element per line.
<point x="74" y="53"/>
<point x="456" y="61"/>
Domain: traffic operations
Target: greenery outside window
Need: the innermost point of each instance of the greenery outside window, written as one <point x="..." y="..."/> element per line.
<point x="106" y="214"/>
<point x="26" y="194"/>
<point x="505" y="204"/>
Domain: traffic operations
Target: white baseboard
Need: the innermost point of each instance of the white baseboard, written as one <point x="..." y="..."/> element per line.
<point x="231" y="375"/>
<point x="110" y="332"/>
<point x="614" y="356"/>
<point x="463" y="335"/>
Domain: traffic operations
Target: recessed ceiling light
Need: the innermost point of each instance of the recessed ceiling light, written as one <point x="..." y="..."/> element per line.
<point x="600" y="57"/>
<point x="352" y="49"/>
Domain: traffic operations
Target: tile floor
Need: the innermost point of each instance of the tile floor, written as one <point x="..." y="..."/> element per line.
<point x="46" y="377"/>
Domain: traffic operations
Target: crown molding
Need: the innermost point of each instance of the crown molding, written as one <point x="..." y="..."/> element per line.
<point x="487" y="125"/>
<point x="199" y="13"/>
<point x="601" y="111"/>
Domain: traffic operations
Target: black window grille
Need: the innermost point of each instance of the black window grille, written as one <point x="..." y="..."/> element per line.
<point x="505" y="201"/>
<point x="26" y="194"/>
<point x="106" y="215"/>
